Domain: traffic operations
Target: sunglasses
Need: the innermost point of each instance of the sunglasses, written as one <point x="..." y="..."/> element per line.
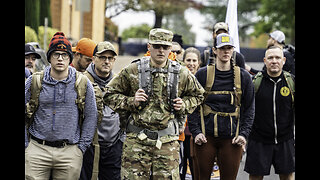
<point x="157" y="46"/>
<point x="177" y="52"/>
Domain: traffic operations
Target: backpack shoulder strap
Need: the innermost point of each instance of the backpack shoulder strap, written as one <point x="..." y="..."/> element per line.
<point x="173" y="81"/>
<point x="238" y="94"/>
<point x="144" y="77"/>
<point x="210" y="77"/>
<point x="207" y="88"/>
<point x="35" y="88"/>
<point x="237" y="85"/>
<point x="290" y="83"/>
<point x="144" y="74"/>
<point x="257" y="81"/>
<point x="98" y="92"/>
<point x="37" y="79"/>
<point x="81" y="89"/>
<point x="89" y="76"/>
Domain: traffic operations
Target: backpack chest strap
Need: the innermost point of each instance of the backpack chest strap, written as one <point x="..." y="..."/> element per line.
<point x="207" y="110"/>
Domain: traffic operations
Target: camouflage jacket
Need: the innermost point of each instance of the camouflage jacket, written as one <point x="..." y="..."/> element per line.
<point x="121" y="89"/>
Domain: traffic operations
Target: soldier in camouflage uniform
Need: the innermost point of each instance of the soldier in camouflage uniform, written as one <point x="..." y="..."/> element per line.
<point x="155" y="120"/>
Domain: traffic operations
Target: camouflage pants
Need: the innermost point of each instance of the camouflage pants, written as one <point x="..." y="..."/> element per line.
<point x="138" y="160"/>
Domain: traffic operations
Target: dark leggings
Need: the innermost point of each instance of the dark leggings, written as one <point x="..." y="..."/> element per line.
<point x="228" y="156"/>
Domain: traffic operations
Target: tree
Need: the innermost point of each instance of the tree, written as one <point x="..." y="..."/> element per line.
<point x="215" y="11"/>
<point x="30" y="35"/>
<point x="160" y="7"/>
<point x="276" y="15"/>
<point x="111" y="30"/>
<point x="32" y="14"/>
<point x="261" y="15"/>
<point x="164" y="7"/>
<point x="178" y="25"/>
<point x="45" y="12"/>
<point x="35" y="12"/>
<point x="50" y="33"/>
<point x="139" y="31"/>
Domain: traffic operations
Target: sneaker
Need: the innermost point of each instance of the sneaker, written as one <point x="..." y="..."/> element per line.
<point x="215" y="175"/>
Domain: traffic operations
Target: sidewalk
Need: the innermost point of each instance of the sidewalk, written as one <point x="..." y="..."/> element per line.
<point x="123" y="61"/>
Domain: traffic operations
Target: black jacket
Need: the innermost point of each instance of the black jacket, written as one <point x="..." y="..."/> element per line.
<point x="270" y="127"/>
<point x="221" y="103"/>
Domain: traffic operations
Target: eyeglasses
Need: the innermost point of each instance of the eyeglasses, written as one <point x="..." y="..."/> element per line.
<point x="177" y="52"/>
<point x="157" y="46"/>
<point x="64" y="56"/>
<point x="104" y="58"/>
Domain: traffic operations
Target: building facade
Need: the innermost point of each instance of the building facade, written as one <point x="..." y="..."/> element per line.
<point x="79" y="18"/>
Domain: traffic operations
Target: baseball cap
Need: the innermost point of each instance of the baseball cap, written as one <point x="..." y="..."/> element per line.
<point x="160" y="36"/>
<point x="220" y="25"/>
<point x="278" y="36"/>
<point x="104" y="46"/>
<point x="85" y="46"/>
<point x="224" y="39"/>
<point x="29" y="49"/>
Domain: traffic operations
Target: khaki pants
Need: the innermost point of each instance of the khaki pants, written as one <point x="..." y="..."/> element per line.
<point x="41" y="160"/>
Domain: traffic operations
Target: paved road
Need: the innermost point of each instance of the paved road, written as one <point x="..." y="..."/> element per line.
<point x="123" y="61"/>
<point x="242" y="175"/>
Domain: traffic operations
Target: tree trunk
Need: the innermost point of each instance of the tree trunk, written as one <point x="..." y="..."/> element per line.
<point x="158" y="20"/>
<point x="32" y="14"/>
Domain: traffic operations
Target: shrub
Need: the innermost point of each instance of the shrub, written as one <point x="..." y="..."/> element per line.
<point x="30" y="35"/>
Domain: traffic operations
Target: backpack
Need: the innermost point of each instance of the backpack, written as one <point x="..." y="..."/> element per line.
<point x="235" y="99"/>
<point x="145" y="83"/>
<point x="98" y="95"/>
<point x="36" y="87"/>
<point x="145" y="78"/>
<point x="291" y="49"/>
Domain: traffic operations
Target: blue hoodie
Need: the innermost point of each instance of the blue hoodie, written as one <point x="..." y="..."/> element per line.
<point x="57" y="116"/>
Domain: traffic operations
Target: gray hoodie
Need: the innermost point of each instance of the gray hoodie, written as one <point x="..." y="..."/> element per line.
<point x="108" y="131"/>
